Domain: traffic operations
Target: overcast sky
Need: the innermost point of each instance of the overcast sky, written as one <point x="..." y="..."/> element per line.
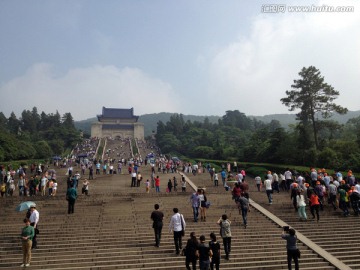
<point x="186" y="56"/>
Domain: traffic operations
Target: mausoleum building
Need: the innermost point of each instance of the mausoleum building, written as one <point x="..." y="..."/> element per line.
<point x="117" y="123"/>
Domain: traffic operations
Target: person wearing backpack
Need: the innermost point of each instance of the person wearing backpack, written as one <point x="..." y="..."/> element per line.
<point x="225" y="233"/>
<point x="71" y="196"/>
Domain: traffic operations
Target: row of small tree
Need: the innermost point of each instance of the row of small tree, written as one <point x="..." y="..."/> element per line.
<point x="36" y="136"/>
<point x="315" y="140"/>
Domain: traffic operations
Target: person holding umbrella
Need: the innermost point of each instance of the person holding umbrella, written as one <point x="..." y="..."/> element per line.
<point x="27" y="234"/>
<point x="34" y="219"/>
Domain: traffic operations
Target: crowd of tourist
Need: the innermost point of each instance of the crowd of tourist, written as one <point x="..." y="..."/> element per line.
<point x="39" y="182"/>
<point x="317" y="189"/>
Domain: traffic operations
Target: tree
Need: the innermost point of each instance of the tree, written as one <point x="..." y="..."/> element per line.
<point x="236" y="119"/>
<point x="68" y="121"/>
<point x="13" y="124"/>
<point x="169" y="143"/>
<point x="56" y="145"/>
<point x="353" y="129"/>
<point x="203" y="152"/>
<point x="49" y="120"/>
<point x="276" y="139"/>
<point x="175" y="124"/>
<point x="43" y="149"/>
<point x="3" y="122"/>
<point x="28" y="122"/>
<point x="312" y="95"/>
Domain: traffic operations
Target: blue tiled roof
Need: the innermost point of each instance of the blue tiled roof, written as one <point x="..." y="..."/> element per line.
<point x="118" y="113"/>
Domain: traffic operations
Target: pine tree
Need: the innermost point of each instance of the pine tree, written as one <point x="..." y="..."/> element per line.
<point x="312" y="95"/>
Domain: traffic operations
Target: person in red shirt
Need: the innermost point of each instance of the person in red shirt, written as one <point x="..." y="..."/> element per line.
<point x="314" y="205"/>
<point x="236" y="192"/>
<point x="157" y="184"/>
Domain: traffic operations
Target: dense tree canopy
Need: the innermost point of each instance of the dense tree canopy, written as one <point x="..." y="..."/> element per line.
<point x="36" y="136"/>
<point x="238" y="137"/>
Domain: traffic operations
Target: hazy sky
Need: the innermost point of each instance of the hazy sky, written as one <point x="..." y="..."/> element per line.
<point x="185" y="56"/>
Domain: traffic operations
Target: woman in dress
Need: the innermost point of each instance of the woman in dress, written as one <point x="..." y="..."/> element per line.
<point x="203" y="201"/>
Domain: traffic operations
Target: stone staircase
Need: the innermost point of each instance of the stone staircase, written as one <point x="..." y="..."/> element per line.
<point x="111" y="229"/>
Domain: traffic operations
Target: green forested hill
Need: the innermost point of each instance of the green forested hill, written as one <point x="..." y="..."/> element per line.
<point x="85" y="125"/>
<point x="150" y="120"/>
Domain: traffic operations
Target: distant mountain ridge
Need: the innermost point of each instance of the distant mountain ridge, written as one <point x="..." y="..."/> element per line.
<point x="150" y="120"/>
<point x="287" y="119"/>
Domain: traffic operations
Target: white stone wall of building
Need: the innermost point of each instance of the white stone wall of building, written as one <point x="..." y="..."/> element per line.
<point x="96" y="130"/>
<point x="137" y="132"/>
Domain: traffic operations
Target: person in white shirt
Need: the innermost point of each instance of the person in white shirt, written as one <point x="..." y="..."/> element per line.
<point x="240" y="178"/>
<point x="21" y="185"/>
<point x="276" y="182"/>
<point x="133" y="179"/>
<point x="43" y="182"/>
<point x="183" y="184"/>
<point x="268" y="188"/>
<point x="34" y="220"/>
<point x="300" y="200"/>
<point x="70" y="171"/>
<point x="288" y="178"/>
<point x="282" y="182"/>
<point x="258" y="182"/>
<point x="177" y="225"/>
<point x="54" y="188"/>
<point x="300" y="180"/>
<point x="357" y="187"/>
<point x="216" y="180"/>
<point x="195" y="169"/>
